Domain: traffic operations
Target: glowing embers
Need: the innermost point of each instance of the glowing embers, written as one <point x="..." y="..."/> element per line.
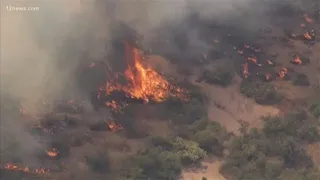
<point x="113" y="127"/>
<point x="52" y="152"/>
<point x="16" y="167"/>
<point x="299" y="60"/>
<point x="283" y="72"/>
<point x="307" y="18"/>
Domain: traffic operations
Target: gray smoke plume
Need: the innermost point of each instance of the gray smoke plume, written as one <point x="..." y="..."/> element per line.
<point x="41" y="51"/>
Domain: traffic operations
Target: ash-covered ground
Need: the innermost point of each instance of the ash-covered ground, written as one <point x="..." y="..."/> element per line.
<point x="160" y="90"/>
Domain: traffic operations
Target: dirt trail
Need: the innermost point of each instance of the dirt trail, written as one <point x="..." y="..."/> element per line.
<point x="227" y="106"/>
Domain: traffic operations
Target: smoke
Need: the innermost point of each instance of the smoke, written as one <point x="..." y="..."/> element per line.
<point x="42" y="51"/>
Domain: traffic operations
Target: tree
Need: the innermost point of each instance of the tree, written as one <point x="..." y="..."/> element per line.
<point x="164" y="159"/>
<point x="299" y="174"/>
<point x="209" y="135"/>
<point x="315" y="109"/>
<point x="262" y="93"/>
<point x="189" y="151"/>
<point x="99" y="162"/>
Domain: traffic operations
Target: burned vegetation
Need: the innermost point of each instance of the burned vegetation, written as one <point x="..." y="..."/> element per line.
<point x="138" y="123"/>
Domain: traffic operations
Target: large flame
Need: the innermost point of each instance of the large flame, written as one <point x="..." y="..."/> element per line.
<point x="142" y="82"/>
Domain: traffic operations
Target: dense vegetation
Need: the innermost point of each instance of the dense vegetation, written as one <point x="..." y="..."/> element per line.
<point x="276" y="152"/>
<point x="164" y="158"/>
<point x="262" y="93"/>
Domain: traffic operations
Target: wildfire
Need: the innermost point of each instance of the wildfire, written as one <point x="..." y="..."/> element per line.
<point x="14" y="167"/>
<point x="245" y="70"/>
<point x="307" y="36"/>
<point x="296" y="60"/>
<point x="143" y="83"/>
<point x="267" y="77"/>
<point x="252" y="59"/>
<point x="307" y="18"/>
<point x="52" y="152"/>
<point x="283" y="73"/>
<point x="113" y="126"/>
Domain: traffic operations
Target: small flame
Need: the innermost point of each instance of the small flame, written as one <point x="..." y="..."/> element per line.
<point x="307" y="36"/>
<point x="252" y="59"/>
<point x="13" y="167"/>
<point x="296" y="60"/>
<point x="282" y="73"/>
<point x="245" y="70"/>
<point x="113" y="127"/>
<point x="307" y="18"/>
<point x="52" y="152"/>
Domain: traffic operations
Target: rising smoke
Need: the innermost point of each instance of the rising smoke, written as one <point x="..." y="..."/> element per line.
<point x="42" y="51"/>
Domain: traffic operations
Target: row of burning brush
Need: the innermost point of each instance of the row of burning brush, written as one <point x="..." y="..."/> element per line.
<point x="308" y="35"/>
<point x="52" y="153"/>
<point x="296" y="59"/>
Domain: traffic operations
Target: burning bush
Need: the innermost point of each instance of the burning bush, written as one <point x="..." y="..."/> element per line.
<point x="61" y="146"/>
<point x="262" y="93"/>
<point x="99" y="162"/>
<point x="301" y="80"/>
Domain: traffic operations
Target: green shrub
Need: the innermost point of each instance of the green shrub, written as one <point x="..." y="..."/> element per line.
<point x="164" y="159"/>
<point x="99" y="162"/>
<point x="315" y="109"/>
<point x="262" y="93"/>
<point x="222" y="77"/>
<point x="301" y="80"/>
<point x="264" y="154"/>
<point x="209" y="135"/>
<point x="296" y="124"/>
<point x="299" y="174"/>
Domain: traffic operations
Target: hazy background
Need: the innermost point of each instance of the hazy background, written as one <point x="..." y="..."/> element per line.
<point x="42" y="50"/>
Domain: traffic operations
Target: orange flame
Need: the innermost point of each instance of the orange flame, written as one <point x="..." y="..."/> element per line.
<point x="296" y="60"/>
<point x="13" y="167"/>
<point x="245" y="70"/>
<point x="283" y="73"/>
<point x="143" y="83"/>
<point x="307" y="18"/>
<point x="252" y="59"/>
<point x="113" y="127"/>
<point x="307" y="36"/>
<point x="52" y="152"/>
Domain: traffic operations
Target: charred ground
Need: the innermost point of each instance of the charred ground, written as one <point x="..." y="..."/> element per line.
<point x="126" y="137"/>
